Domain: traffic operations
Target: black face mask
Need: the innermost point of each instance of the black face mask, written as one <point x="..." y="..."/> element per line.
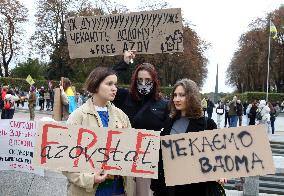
<point x="144" y="89"/>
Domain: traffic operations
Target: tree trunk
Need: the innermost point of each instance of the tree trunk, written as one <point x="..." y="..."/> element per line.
<point x="6" y="69"/>
<point x="1" y="73"/>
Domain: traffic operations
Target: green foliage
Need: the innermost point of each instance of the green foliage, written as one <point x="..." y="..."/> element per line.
<point x="247" y="70"/>
<point x="21" y="83"/>
<point x="166" y="91"/>
<point x="31" y="67"/>
<point x="13" y="14"/>
<point x="250" y="96"/>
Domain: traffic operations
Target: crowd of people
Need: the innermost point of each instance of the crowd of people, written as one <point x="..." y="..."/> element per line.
<point x="233" y="111"/>
<point x="35" y="98"/>
<point x="142" y="106"/>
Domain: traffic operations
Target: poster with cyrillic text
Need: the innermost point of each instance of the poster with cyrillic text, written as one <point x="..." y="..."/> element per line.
<point x="125" y="152"/>
<point x="147" y="32"/>
<point x="214" y="154"/>
<point x="17" y="140"/>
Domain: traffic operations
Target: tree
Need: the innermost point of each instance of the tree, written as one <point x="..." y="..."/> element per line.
<point x="248" y="68"/>
<point x="32" y="67"/>
<point x="50" y="35"/>
<point x="12" y="15"/>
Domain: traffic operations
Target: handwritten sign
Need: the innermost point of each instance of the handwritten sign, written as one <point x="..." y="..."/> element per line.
<point x="126" y="152"/>
<point x="210" y="155"/>
<point x="17" y="139"/>
<point x="148" y="32"/>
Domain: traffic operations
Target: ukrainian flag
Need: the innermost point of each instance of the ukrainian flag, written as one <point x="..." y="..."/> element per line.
<point x="30" y="80"/>
<point x="273" y="30"/>
<point x="71" y="98"/>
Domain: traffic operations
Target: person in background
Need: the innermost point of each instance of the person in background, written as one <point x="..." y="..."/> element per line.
<point x="79" y="99"/>
<point x="252" y="108"/>
<point x="233" y="112"/>
<point x="3" y="94"/>
<point x="17" y="92"/>
<point x="41" y="98"/>
<point x="227" y="117"/>
<point x="67" y="98"/>
<point x="204" y="105"/>
<point x="143" y="103"/>
<point x="282" y="106"/>
<point x="98" y="111"/>
<point x="219" y="111"/>
<point x="9" y="104"/>
<point x="210" y="106"/>
<point x="32" y="102"/>
<point x="264" y="111"/>
<point x="1" y="101"/>
<point x="51" y="94"/>
<point x="37" y="97"/>
<point x="277" y="107"/>
<point x="186" y="116"/>
<point x="272" y="117"/>
<point x="245" y="105"/>
<point x="240" y="112"/>
<point x="47" y="100"/>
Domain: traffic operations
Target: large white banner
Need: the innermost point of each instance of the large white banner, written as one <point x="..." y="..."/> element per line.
<point x="17" y="139"/>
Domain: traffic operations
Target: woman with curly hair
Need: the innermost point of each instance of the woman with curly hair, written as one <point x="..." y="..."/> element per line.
<point x="186" y="116"/>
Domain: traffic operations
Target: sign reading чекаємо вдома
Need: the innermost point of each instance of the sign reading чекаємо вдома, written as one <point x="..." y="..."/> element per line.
<point x="148" y="32"/>
<point x="210" y="155"/>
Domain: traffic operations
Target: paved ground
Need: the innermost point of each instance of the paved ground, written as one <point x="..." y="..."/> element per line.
<point x="17" y="183"/>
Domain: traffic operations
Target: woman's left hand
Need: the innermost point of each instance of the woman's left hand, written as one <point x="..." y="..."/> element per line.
<point x="222" y="181"/>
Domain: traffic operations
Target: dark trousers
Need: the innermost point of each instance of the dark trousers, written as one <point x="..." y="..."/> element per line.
<point x="51" y="103"/>
<point x="9" y="114"/>
<point x="251" y="121"/>
<point x="227" y="119"/>
<point x="272" y="120"/>
<point x="3" y="114"/>
<point x="204" y="111"/>
<point x="209" y="114"/>
<point x="41" y="104"/>
<point x="47" y="104"/>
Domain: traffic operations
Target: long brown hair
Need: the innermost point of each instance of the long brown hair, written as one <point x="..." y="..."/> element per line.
<point x="66" y="83"/>
<point x="156" y="95"/>
<point x="193" y="99"/>
<point x="95" y="78"/>
<point x="272" y="109"/>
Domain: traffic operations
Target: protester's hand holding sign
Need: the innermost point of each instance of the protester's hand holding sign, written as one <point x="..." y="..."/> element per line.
<point x="100" y="176"/>
<point x="129" y="56"/>
<point x="222" y="181"/>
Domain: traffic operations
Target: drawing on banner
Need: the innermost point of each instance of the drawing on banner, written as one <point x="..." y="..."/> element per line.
<point x="17" y="139"/>
<point x="148" y="32"/>
<point x="211" y="155"/>
<point x="78" y="149"/>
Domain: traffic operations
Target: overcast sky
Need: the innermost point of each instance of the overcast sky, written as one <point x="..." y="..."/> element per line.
<point x="219" y="22"/>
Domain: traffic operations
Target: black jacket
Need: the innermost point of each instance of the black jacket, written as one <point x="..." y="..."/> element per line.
<point x="152" y="118"/>
<point x="201" y="189"/>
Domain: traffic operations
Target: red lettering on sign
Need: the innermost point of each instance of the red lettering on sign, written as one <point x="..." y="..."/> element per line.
<point x="44" y="141"/>
<point x="108" y="149"/>
<point x="79" y="140"/>
<point x="138" y="146"/>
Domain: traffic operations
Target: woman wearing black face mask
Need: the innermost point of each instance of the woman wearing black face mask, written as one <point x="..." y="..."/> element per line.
<point x="142" y="103"/>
